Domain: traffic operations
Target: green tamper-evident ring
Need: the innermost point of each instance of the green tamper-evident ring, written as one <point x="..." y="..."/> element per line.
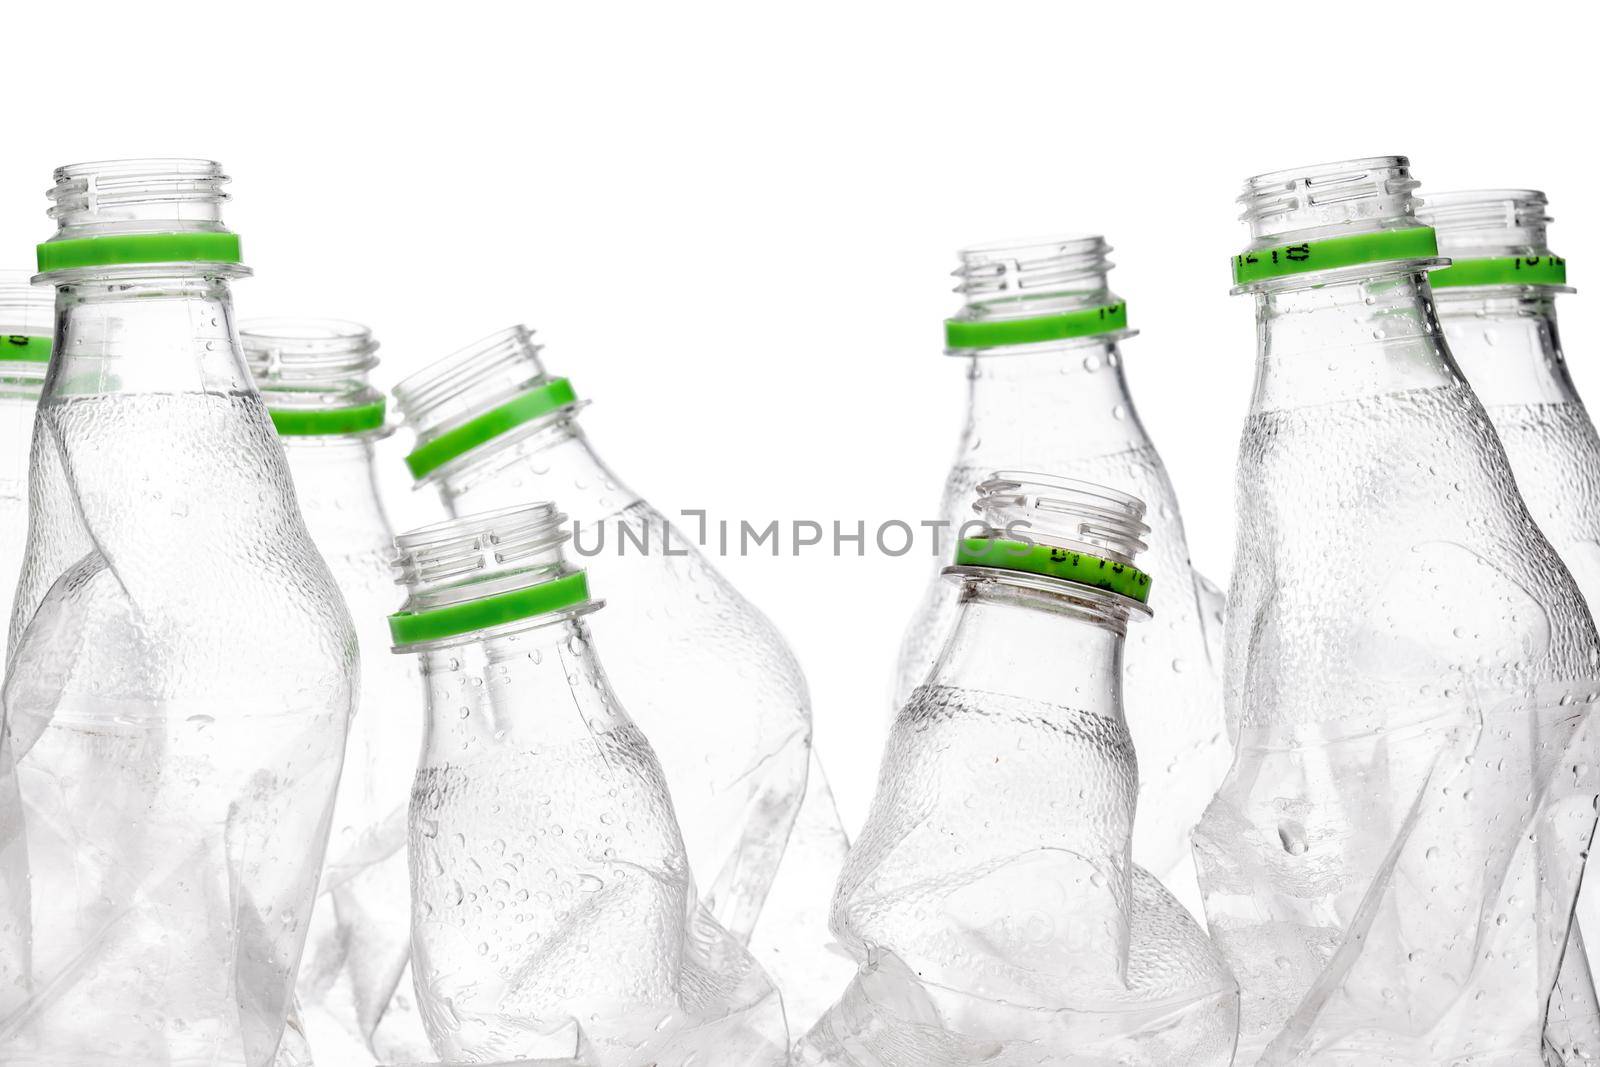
<point x="1123" y="579"/>
<point x="959" y="333"/>
<point x="325" y="422"/>
<point x="410" y="628"/>
<point x="1507" y="270"/>
<point x="535" y="403"/>
<point x="127" y="249"/>
<point x="1331" y="253"/>
<point x="20" y="348"/>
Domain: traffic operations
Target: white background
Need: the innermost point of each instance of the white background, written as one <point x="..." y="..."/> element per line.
<point x="733" y="226"/>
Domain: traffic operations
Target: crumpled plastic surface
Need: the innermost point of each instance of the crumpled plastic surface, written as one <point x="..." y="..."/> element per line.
<point x="549" y="879"/>
<point x="1423" y="916"/>
<point x="163" y="822"/>
<point x="1391" y="866"/>
<point x="994" y="911"/>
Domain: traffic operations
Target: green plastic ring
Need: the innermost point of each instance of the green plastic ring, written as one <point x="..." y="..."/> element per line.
<point x="1123" y="579"/>
<point x="535" y="403"/>
<point x="312" y="422"/>
<point x="131" y="248"/>
<point x="1509" y="270"/>
<point x="1330" y="253"/>
<point x="959" y="333"/>
<point x="20" y="348"/>
<point x="411" y="628"/>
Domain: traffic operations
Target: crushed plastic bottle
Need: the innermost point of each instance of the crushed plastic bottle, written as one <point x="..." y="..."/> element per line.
<point x="312" y="374"/>
<point x="550" y="883"/>
<point x="182" y="666"/>
<point x="1392" y="864"/>
<point x="990" y="899"/>
<point x="707" y="676"/>
<point x="27" y="312"/>
<point x="1496" y="303"/>
<point x="1040" y="333"/>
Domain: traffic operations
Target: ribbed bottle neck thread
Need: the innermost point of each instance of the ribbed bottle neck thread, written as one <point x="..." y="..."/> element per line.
<point x="1489" y="223"/>
<point x="1058" y="536"/>
<point x="471" y="380"/>
<point x="479" y="574"/>
<point x="1329" y="199"/>
<point x="1064" y="512"/>
<point x="138" y="196"/>
<point x="1009" y="280"/>
<point x="312" y="365"/>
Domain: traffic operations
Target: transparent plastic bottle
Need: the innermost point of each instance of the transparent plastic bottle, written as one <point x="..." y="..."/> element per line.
<point x="1391" y="865"/>
<point x="312" y="374"/>
<point x="707" y="676"/>
<point x="182" y="665"/>
<point x="27" y="313"/>
<point x="1496" y="303"/>
<point x="550" y="884"/>
<point x="1040" y="333"/>
<point x="990" y="899"/>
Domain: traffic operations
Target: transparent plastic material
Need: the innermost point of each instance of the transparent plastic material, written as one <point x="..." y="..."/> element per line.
<point x="1504" y="339"/>
<point x="990" y="899"/>
<point x="180" y="675"/>
<point x="708" y="677"/>
<point x="1064" y="406"/>
<point x="27" y="314"/>
<point x="1392" y="863"/>
<point x="359" y="941"/>
<point x="550" y="884"/>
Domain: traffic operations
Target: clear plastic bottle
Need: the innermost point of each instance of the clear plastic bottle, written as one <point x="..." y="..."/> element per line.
<point x="182" y="665"/>
<point x="1040" y="332"/>
<point x="550" y="884"/>
<point x="312" y="374"/>
<point x="27" y="313"/>
<point x="1496" y="302"/>
<point x="1391" y="865"/>
<point x="990" y="899"/>
<point x="708" y="677"/>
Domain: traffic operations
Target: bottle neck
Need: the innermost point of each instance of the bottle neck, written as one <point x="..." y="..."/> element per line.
<point x="1066" y="399"/>
<point x="1506" y="343"/>
<point x="532" y="690"/>
<point x="151" y="333"/>
<point x="1058" y="650"/>
<point x="1346" y="340"/>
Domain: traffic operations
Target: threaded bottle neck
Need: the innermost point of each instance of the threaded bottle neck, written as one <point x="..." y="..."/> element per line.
<point x="313" y="375"/>
<point x="1061" y="536"/>
<point x="1009" y="280"/>
<point x="1332" y="223"/>
<point x="484" y="573"/>
<point x="1351" y="196"/>
<point x="478" y="398"/>
<point x="127" y="196"/>
<point x="1482" y="223"/>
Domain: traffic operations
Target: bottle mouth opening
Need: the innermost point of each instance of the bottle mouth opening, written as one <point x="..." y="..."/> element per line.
<point x="484" y="571"/>
<point x="309" y="349"/>
<point x="1032" y="268"/>
<point x="473" y="546"/>
<point x="125" y="196"/>
<point x="1064" y="512"/>
<point x="1323" y="199"/>
<point x="451" y="388"/>
<point x="1475" y="225"/>
<point x="1044" y="530"/>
